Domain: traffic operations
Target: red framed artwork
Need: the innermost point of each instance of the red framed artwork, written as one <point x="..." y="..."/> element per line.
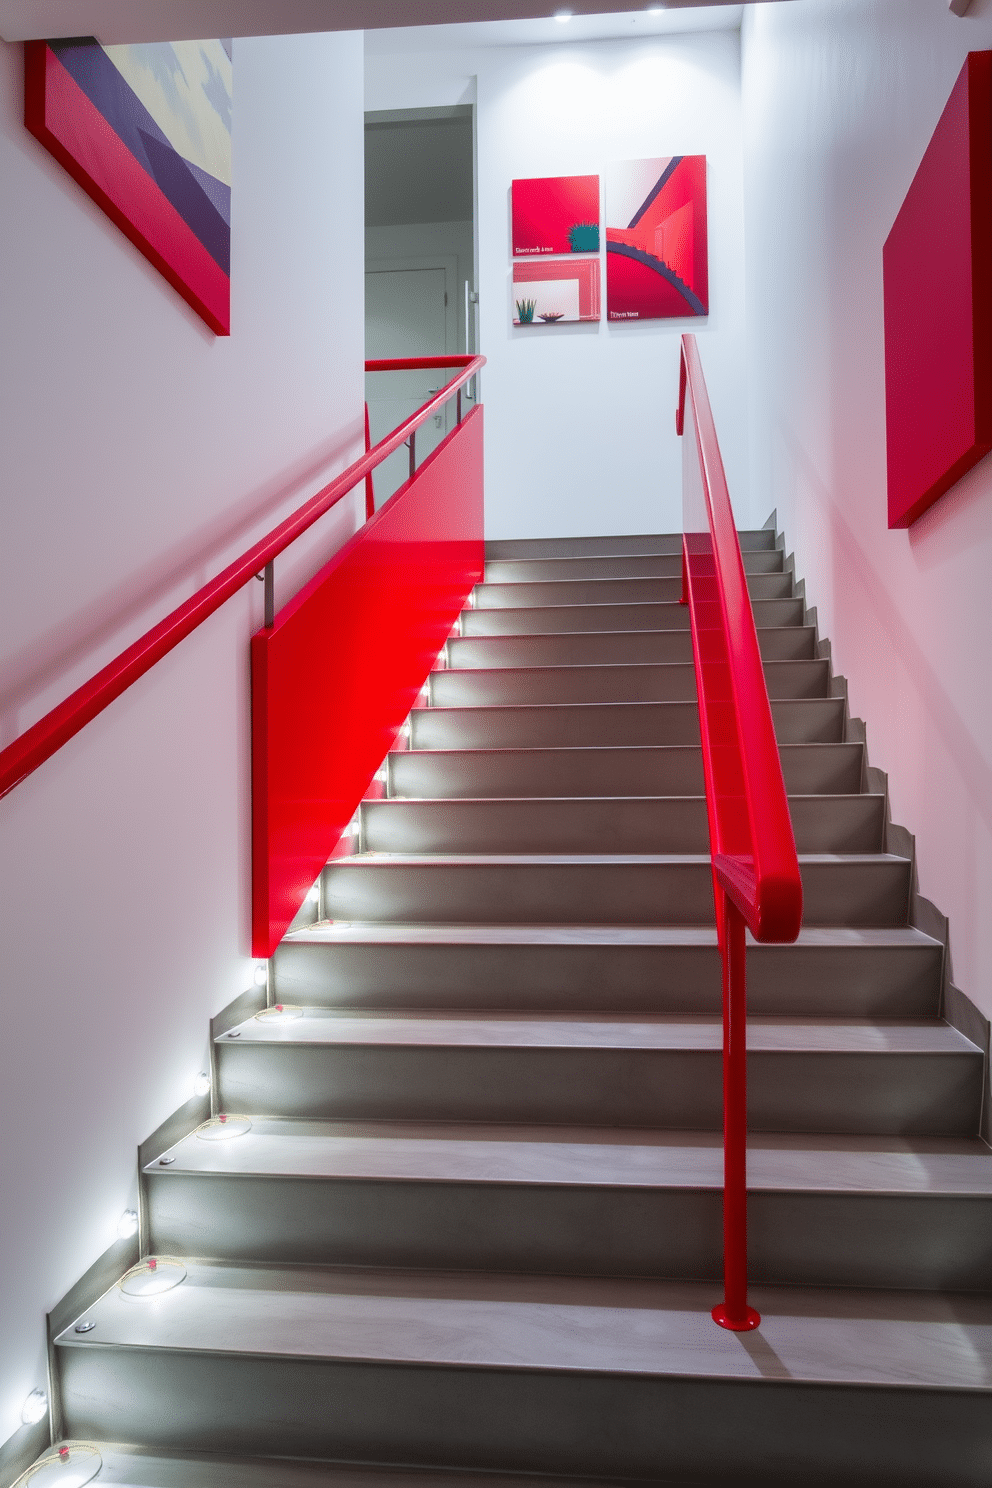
<point x="146" y="132"/>
<point x="555" y="214"/>
<point x="937" y="288"/>
<point x="555" y="291"/>
<point x="656" y="238"/>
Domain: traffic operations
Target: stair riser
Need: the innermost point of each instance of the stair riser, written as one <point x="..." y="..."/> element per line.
<point x="802" y="1239"/>
<point x="817" y="769"/>
<point x="554" y="619"/>
<point x="668" y="825"/>
<point x="470" y="688"/>
<point x="783" y="981"/>
<point x="905" y="1094"/>
<point x="667" y="544"/>
<point x="524" y="570"/>
<point x="529" y="1419"/>
<point x="867" y="893"/>
<point x="585" y="725"/>
<point x="609" y="648"/>
<point x="611" y="591"/>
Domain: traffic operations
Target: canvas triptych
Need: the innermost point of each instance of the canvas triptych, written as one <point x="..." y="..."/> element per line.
<point x="656" y="243"/>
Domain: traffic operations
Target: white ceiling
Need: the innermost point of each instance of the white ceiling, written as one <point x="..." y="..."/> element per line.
<point x="175" y="20"/>
<point x="545" y="29"/>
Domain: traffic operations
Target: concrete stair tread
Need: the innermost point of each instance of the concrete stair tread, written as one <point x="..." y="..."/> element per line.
<point x="486" y="1153"/>
<point x="628" y="544"/>
<point x="473" y="860"/>
<point x="631" y="823"/>
<point x="454" y="802"/>
<point x="566" y="1325"/>
<point x="612" y="668"/>
<point x="330" y="932"/>
<point x="563" y="709"/>
<point x="631" y="1032"/>
<point x="127" y="1466"/>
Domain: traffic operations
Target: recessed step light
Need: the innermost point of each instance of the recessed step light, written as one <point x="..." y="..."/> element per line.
<point x="68" y="1466"/>
<point x="223" y="1127"/>
<point x="150" y="1278"/>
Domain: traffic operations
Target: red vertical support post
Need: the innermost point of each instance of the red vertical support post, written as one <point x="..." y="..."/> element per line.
<point x="733" y="1312"/>
<point x="369" y="488"/>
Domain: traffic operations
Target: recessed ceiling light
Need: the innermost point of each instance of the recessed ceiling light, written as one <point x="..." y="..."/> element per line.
<point x="563" y="15"/>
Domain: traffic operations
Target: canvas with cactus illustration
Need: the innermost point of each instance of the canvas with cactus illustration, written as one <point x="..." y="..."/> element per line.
<point x="555" y="214"/>
<point x="555" y="291"/>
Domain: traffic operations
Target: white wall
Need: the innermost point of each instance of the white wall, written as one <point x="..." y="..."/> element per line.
<point x="137" y="448"/>
<point x="580" y="419"/>
<point x="840" y="100"/>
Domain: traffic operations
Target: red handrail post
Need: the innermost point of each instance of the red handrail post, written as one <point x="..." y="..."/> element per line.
<point x="369" y="488"/>
<point x="733" y="1312"/>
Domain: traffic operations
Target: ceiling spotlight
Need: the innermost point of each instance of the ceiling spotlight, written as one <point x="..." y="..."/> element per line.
<point x="127" y="1225"/>
<point x="201" y="1085"/>
<point x="34" y="1408"/>
<point x="563" y="15"/>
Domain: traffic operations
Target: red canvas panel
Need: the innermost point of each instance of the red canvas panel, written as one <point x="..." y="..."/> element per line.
<point x="336" y="676"/>
<point x="584" y="272"/>
<point x="937" y="275"/>
<point x="555" y="214"/>
<point x="656" y="241"/>
<point x="59" y="114"/>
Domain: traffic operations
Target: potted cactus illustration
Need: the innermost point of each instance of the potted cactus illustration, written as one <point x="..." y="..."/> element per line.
<point x="584" y="237"/>
<point x="525" y="311"/>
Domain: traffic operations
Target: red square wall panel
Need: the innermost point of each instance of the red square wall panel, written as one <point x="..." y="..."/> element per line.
<point x="937" y="274"/>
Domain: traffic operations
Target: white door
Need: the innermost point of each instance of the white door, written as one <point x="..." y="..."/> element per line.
<point x="406" y="315"/>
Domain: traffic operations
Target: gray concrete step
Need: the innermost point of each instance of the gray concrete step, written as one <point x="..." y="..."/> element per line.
<point x="643" y="566"/>
<point x="809" y="769"/>
<point x="544" y="725"/>
<point x="622" y="824"/>
<point x="555" y="1374"/>
<point x="824" y="1210"/>
<point x="604" y="889"/>
<point x="643" y="682"/>
<point x="666" y="543"/>
<point x="842" y="972"/>
<point x="611" y="647"/>
<point x="634" y="1070"/>
<point x="552" y="619"/>
<point x="528" y="594"/>
<point x="134" y="1467"/>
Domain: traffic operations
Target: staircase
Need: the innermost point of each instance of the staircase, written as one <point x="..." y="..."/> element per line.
<point x="474" y="1229"/>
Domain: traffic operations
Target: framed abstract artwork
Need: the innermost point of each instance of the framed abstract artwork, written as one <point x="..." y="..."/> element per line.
<point x="555" y="214"/>
<point x="146" y="132"/>
<point x="555" y="291"/>
<point x="656" y="244"/>
<point x="937" y="293"/>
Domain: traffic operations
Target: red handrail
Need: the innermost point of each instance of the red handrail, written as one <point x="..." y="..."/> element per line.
<point x="44" y="738"/>
<point x="756" y="878"/>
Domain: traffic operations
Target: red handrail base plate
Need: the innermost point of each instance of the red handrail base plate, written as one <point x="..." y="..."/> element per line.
<point x="747" y="1324"/>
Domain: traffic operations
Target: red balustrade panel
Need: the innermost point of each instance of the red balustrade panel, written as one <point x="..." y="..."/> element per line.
<point x="336" y="675"/>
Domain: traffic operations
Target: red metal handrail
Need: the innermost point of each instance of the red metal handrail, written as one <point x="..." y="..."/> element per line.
<point x="756" y="878"/>
<point x="44" y="738"/>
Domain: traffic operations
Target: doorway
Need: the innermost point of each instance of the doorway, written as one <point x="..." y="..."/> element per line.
<point x="419" y="265"/>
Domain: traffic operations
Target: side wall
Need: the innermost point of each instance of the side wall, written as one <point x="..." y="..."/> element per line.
<point x="580" y="419"/>
<point x="840" y="98"/>
<point x="138" y="454"/>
